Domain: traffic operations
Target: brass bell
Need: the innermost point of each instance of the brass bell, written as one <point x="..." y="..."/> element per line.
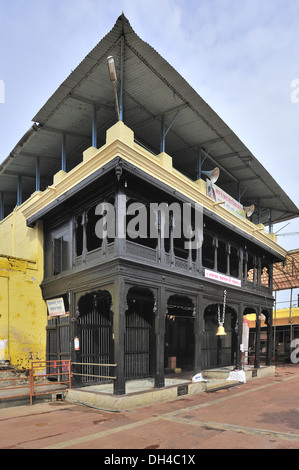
<point x="220" y="331"/>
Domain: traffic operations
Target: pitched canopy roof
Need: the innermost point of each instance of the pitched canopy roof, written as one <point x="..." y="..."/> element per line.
<point x="152" y="90"/>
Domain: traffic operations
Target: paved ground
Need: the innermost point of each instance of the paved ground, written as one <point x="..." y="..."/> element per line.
<point x="261" y="414"/>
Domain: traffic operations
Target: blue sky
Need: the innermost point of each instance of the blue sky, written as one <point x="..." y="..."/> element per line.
<point x="241" y="56"/>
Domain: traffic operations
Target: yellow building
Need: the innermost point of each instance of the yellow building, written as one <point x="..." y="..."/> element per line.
<point x="23" y="313"/>
<point x="285" y="333"/>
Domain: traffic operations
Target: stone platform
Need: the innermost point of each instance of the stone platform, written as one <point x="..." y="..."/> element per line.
<point x="141" y="393"/>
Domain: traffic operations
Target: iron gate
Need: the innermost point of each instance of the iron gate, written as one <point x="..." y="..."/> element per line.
<point x="139" y="339"/>
<point x="58" y="342"/>
<point x="95" y="338"/>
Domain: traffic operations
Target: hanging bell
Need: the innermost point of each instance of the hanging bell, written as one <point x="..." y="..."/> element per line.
<point x="220" y="331"/>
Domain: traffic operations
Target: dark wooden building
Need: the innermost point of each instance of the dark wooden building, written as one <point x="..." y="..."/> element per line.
<point x="140" y="300"/>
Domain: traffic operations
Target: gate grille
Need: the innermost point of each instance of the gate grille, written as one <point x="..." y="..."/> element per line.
<point x="95" y="333"/>
<point x="137" y="345"/>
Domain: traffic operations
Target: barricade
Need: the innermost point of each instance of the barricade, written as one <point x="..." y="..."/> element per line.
<point x="37" y="383"/>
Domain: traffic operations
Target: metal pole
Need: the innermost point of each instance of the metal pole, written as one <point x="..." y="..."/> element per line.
<point x="1" y="206"/>
<point x="94" y="126"/>
<point x="63" y="153"/>
<point x="270" y="222"/>
<point x="122" y="61"/>
<point x="274" y="335"/>
<point x="37" y="174"/>
<point x="162" y="144"/>
<point x="290" y="319"/>
<point x="19" y="191"/>
<point x="199" y="164"/>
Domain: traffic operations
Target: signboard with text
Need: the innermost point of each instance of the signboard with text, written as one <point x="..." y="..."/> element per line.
<point x="222" y="278"/>
<point x="56" y="307"/>
<point x="218" y="195"/>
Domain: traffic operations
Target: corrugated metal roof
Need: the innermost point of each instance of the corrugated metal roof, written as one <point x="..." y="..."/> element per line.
<point x="286" y="274"/>
<point x="152" y="88"/>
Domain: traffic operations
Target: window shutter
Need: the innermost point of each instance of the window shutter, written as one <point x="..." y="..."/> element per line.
<point x="57" y="255"/>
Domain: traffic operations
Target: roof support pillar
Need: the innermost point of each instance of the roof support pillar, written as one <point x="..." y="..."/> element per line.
<point x="199" y="164"/>
<point x="121" y="89"/>
<point x="63" y="153"/>
<point x="19" y="191"/>
<point x="94" y="126"/>
<point x="258" y="212"/>
<point x="37" y="174"/>
<point x="1" y="206"/>
<point x="162" y="143"/>
<point x="270" y="222"/>
<point x="164" y="130"/>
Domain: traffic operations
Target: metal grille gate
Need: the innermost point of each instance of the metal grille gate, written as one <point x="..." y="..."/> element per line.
<point x="58" y="342"/>
<point x="95" y="335"/>
<point x="217" y="351"/>
<point x="139" y="339"/>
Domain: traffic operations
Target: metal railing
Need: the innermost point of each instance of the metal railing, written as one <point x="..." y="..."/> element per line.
<point x="37" y="380"/>
<point x="94" y="375"/>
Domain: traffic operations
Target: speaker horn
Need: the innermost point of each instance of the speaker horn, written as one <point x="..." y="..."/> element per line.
<point x="249" y="210"/>
<point x="213" y="175"/>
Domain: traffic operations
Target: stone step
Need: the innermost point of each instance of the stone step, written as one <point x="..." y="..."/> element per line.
<point x="219" y="385"/>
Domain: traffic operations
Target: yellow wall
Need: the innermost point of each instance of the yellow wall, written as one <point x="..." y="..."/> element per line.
<point x="23" y="312"/>
<point x="280" y="317"/>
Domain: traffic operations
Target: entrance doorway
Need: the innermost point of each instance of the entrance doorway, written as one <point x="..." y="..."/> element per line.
<point x="95" y="337"/>
<point x="139" y="334"/>
<point x="179" y="335"/>
<point x="218" y="351"/>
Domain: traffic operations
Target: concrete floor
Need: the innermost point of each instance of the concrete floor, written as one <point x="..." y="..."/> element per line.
<point x="260" y="414"/>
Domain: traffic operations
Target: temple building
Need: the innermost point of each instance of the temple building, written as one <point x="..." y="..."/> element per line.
<point x="148" y="223"/>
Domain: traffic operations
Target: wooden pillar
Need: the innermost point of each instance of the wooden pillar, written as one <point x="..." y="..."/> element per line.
<point x="269" y="338"/>
<point x="257" y="338"/>
<point x="228" y="252"/>
<point x="84" y="241"/>
<point x="161" y="237"/>
<point x="215" y="243"/>
<point x="239" y="334"/>
<point x="198" y="334"/>
<point x="120" y="222"/>
<point x="245" y="258"/>
<point x="160" y="334"/>
<point x="240" y="267"/>
<point x="119" y="309"/>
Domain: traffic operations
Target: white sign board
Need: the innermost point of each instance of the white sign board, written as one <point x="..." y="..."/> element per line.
<point x="218" y="195"/>
<point x="222" y="278"/>
<point x="56" y="307"/>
